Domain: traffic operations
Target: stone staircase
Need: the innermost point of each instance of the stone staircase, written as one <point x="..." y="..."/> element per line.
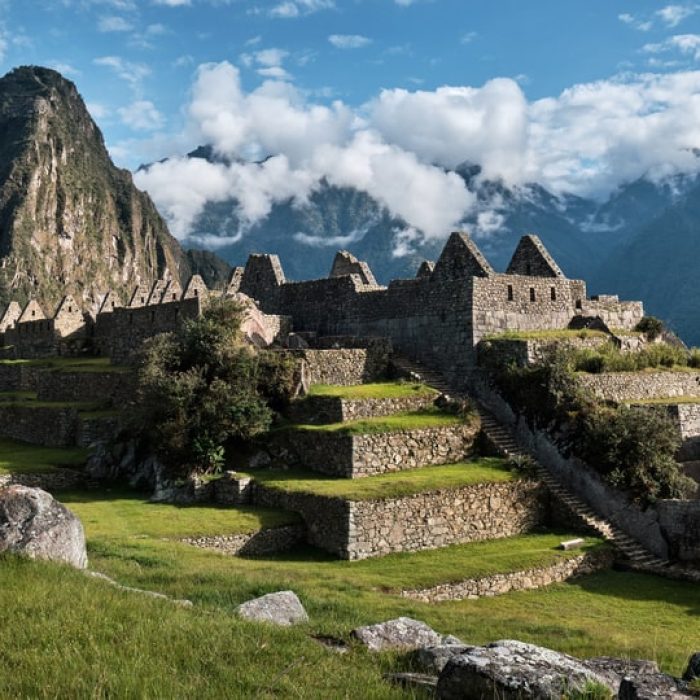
<point x="637" y="557"/>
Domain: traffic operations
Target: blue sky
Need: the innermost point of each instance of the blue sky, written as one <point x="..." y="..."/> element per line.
<point x="368" y="78"/>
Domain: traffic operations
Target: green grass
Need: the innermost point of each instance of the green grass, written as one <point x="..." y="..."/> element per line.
<point x="22" y="458"/>
<point x="379" y="390"/>
<point x="126" y="514"/>
<point x="550" y="334"/>
<point x="71" y="364"/>
<point x="413" y="420"/>
<point x="28" y="399"/>
<point x="394" y="485"/>
<point x="664" y="402"/>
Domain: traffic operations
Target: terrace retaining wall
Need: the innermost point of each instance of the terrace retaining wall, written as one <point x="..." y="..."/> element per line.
<point x="50" y="427"/>
<point x="639" y="386"/>
<point x="49" y="481"/>
<point x="254" y="544"/>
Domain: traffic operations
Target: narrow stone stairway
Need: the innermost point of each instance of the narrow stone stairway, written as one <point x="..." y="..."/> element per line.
<point x="638" y="558"/>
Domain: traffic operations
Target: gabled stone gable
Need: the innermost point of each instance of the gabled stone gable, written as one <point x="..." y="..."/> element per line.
<point x="32" y="312"/>
<point x="532" y="259"/>
<point x="196" y="288"/>
<point x="426" y="269"/>
<point x="345" y="263"/>
<point x="68" y="317"/>
<point x="157" y="291"/>
<point x="10" y="316"/>
<point x="173" y="292"/>
<point x="460" y="259"/>
<point x="110" y="302"/>
<point x="234" y="281"/>
<point x="140" y="296"/>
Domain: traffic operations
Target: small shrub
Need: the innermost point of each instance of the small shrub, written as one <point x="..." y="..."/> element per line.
<point x="522" y="464"/>
<point x="651" y="326"/>
<point x="592" y="690"/>
<point x="694" y="358"/>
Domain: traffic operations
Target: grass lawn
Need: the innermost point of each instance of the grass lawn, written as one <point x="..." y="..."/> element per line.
<point x="394" y="485"/>
<point x="127" y="514"/>
<point x="22" y="458"/>
<point x="28" y="399"/>
<point x="64" y="635"/>
<point x="664" y="402"/>
<point x="551" y="334"/>
<point x="413" y="420"/>
<point x="379" y="390"/>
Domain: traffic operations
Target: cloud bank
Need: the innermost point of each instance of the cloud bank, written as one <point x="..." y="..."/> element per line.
<point x="400" y="146"/>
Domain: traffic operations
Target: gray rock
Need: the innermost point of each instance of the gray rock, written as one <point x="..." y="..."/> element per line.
<point x="693" y="669"/>
<point x="283" y="608"/>
<point x="650" y="687"/>
<point x="402" y="633"/>
<point x="34" y="524"/>
<point x="510" y="669"/>
<point x="414" y="681"/>
<point x="434" y="659"/>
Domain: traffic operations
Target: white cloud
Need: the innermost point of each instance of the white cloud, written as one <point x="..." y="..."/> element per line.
<point x="97" y="110"/>
<point x="172" y="3"/>
<point x="141" y="115"/>
<point x="635" y="23"/>
<point x="673" y="15"/>
<point x="114" y="24"/>
<point x="290" y="9"/>
<point x="468" y="38"/>
<point x="131" y="73"/>
<point x="64" y="68"/>
<point x="271" y="57"/>
<point x="400" y="146"/>
<point x="686" y="44"/>
<point x="349" y="41"/>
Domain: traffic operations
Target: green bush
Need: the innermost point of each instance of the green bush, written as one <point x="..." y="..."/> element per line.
<point x="202" y="387"/>
<point x="651" y="326"/>
<point x="694" y="358"/>
<point x="609" y="358"/>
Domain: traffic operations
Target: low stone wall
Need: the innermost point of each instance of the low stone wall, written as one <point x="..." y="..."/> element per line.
<point x="320" y="410"/>
<point x="114" y="388"/>
<point x="326" y="519"/>
<point x="353" y="456"/>
<point x="49" y="481"/>
<point x="498" y="584"/>
<point x="441" y="518"/>
<point x="255" y="544"/>
<point x="638" y="386"/>
<point x="92" y="430"/>
<point x="19" y="377"/>
<point x="51" y="427"/>
<point x="346" y="366"/>
<point x="361" y="529"/>
<point x="680" y="524"/>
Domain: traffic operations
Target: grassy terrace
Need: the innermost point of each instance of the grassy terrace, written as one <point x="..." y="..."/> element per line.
<point x="664" y="402"/>
<point x="425" y="418"/>
<point x="22" y="458"/>
<point x="28" y="399"/>
<point x="379" y="390"/>
<point x="394" y="485"/>
<point x="551" y="334"/>
<point x="70" y="364"/>
<point x="125" y="514"/>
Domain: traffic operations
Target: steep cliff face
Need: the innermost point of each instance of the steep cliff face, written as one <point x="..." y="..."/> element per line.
<point x="70" y="221"/>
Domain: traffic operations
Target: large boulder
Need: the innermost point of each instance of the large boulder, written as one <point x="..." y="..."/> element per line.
<point x="34" y="524"/>
<point x="510" y="669"/>
<point x="434" y="659"/>
<point x="403" y="634"/>
<point x="283" y="608"/>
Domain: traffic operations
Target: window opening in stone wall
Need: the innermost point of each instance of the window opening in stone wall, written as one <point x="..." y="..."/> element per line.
<point x="554" y="294"/>
<point x="510" y="292"/>
<point x="143" y="300"/>
<point x="578" y="304"/>
<point x="70" y="309"/>
<point x="533" y="296"/>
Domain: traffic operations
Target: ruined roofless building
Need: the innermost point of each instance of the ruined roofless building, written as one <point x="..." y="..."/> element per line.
<point x="439" y="316"/>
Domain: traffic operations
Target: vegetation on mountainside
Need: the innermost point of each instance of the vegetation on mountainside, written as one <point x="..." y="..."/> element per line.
<point x="632" y="448"/>
<point x="609" y="358"/>
<point x="202" y="387"/>
<point x="651" y="326"/>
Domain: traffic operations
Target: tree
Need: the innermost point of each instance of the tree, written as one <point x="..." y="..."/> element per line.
<point x="203" y="387"/>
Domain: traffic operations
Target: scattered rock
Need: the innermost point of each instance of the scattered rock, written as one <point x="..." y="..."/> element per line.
<point x="283" y="608"/>
<point x="617" y="669"/>
<point x="151" y="594"/>
<point x="510" y="669"/>
<point x="693" y="669"/>
<point x="434" y="659"/>
<point x="36" y="525"/>
<point x="402" y="633"/>
<point x="338" y="646"/>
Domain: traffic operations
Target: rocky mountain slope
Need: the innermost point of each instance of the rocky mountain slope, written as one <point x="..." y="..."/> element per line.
<point x="70" y="221"/>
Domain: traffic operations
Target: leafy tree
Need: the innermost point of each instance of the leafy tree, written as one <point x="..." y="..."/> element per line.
<point x="203" y="387"/>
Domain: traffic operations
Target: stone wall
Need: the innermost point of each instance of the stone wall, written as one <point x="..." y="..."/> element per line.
<point x="344" y="366"/>
<point x="113" y="388"/>
<point x="526" y="580"/>
<point x="686" y="417"/>
<point x="49" y="481"/>
<point x="680" y="523"/>
<point x="98" y="429"/>
<point x="19" y="377"/>
<point x="353" y="456"/>
<point x="441" y="518"/>
<point x="50" y="427"/>
<point x="361" y="529"/>
<point x="320" y="410"/>
<point x="255" y="544"/>
<point x="638" y="386"/>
